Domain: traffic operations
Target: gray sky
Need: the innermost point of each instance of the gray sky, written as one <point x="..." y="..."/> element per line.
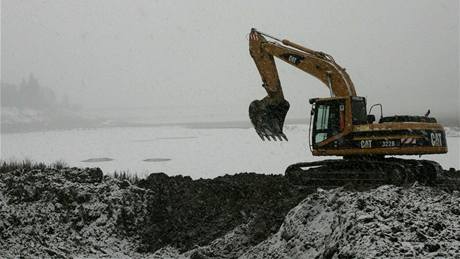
<point x="194" y="54"/>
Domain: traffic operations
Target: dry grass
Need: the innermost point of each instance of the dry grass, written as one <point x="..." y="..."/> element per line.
<point x="133" y="178"/>
<point x="27" y="164"/>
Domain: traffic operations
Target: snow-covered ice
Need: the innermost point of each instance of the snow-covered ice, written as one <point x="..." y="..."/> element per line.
<point x="196" y="152"/>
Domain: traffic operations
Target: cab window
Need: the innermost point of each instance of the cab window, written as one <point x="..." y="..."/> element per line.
<point x="326" y="122"/>
<point x="323" y="117"/>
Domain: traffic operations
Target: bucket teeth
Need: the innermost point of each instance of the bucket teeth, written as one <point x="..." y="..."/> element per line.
<point x="284" y="136"/>
<point x="261" y="135"/>
<point x="268" y="135"/>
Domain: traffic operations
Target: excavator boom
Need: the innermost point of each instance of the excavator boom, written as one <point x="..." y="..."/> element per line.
<point x="268" y="114"/>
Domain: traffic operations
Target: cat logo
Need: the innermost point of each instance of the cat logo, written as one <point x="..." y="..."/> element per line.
<point x="366" y="143"/>
<point x="291" y="58"/>
<point x="436" y="139"/>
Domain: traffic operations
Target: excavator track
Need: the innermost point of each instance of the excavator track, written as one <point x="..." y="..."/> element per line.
<point x="362" y="173"/>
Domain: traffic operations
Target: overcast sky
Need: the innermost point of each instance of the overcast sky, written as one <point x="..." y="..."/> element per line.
<point x="194" y="54"/>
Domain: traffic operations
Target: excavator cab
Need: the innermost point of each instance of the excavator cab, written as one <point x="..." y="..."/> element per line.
<point x="328" y="118"/>
<point x="332" y="116"/>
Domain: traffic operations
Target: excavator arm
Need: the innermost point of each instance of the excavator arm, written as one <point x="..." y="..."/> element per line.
<point x="268" y="114"/>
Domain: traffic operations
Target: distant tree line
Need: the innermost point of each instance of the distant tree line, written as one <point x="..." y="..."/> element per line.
<point x="30" y="95"/>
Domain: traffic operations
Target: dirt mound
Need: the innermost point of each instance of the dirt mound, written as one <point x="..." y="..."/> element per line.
<point x="184" y="212"/>
<point x="66" y="212"/>
<point x="389" y="222"/>
<point x="50" y="212"/>
<point x="56" y="213"/>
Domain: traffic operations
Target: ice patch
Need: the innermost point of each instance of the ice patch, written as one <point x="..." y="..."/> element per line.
<point x="156" y="159"/>
<point x="98" y="159"/>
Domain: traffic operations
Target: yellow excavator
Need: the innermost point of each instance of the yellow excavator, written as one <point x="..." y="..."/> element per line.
<point x="340" y="125"/>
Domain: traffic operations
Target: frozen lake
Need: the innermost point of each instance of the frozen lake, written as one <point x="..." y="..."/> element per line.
<point x="203" y="152"/>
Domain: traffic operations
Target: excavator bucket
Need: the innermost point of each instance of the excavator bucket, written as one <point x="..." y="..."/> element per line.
<point x="268" y="116"/>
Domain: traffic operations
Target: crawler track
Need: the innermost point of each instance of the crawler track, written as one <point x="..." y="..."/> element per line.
<point x="362" y="173"/>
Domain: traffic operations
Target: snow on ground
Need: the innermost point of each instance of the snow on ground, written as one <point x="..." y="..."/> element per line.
<point x="203" y="152"/>
<point x="53" y="213"/>
<point x="80" y="213"/>
<point x="387" y="222"/>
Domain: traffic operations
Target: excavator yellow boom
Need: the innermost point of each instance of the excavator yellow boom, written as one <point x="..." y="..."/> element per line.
<point x="268" y="114"/>
<point x="315" y="63"/>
